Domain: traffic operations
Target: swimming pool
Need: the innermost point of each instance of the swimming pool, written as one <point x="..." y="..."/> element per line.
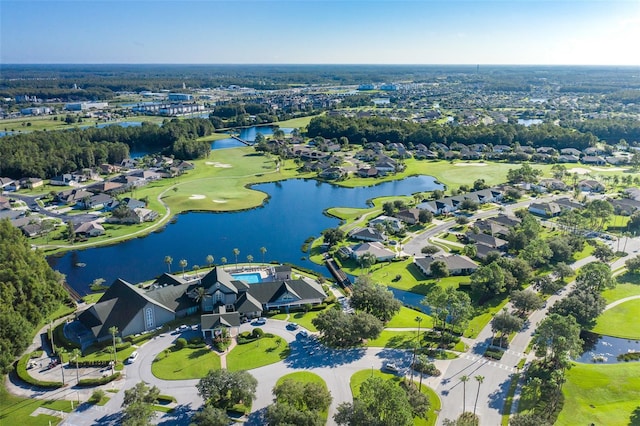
<point x="251" y="278"/>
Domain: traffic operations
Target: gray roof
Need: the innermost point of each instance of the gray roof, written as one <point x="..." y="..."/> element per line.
<point x="219" y="275"/>
<point x="213" y="321"/>
<point x="174" y="297"/>
<point x="267" y="292"/>
<point x="486" y="239"/>
<point x="453" y="262"/>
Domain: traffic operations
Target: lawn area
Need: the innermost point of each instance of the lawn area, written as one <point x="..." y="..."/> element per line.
<point x="620" y="321"/>
<point x="302" y="318"/>
<point x="601" y="395"/>
<point x="295" y="122"/>
<point x="14" y="409"/>
<point x="406" y="318"/>
<point x="628" y="285"/>
<point x="187" y="363"/>
<point x="434" y="401"/>
<point x="394" y="339"/>
<point x="485" y="314"/>
<point x="265" y="351"/>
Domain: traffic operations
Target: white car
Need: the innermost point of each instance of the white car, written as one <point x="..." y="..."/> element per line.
<point x="260" y="321"/>
<point x="391" y="368"/>
<point x="132" y="357"/>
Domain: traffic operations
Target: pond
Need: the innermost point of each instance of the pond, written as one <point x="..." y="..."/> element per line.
<point x="605" y="349"/>
<point x="293" y="212"/>
<point x="248" y="134"/>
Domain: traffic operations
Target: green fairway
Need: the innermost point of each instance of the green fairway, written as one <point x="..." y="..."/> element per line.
<point x="264" y="351"/>
<point x="434" y="401"/>
<point x="601" y="395"/>
<point x="187" y="363"/>
<point x="628" y="285"/>
<point x="620" y="321"/>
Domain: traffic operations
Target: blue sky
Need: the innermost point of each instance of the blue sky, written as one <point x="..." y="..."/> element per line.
<point x="586" y="32"/>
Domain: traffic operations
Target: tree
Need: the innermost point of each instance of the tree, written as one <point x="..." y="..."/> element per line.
<point x="285" y="414"/>
<point x="464" y="379"/>
<point x="488" y="280"/>
<point x="332" y="236"/>
<point x="71" y="232"/>
<point x="603" y="253"/>
<point x="556" y="338"/>
<point x="525" y="174"/>
<point x="425" y="216"/>
<point x="223" y="388"/>
<point x="388" y="209"/>
<point x="429" y="249"/>
<point x="562" y="271"/>
<point x="168" y="260"/>
<point x="263" y="250"/>
<point x="209" y="260"/>
<point x="584" y="305"/>
<point x="309" y="396"/>
<point x="633" y="264"/>
<point x="479" y="379"/>
<point x="595" y="276"/>
<point x="343" y="330"/>
<point x="138" y="405"/>
<point x="249" y="258"/>
<point x="599" y="212"/>
<point x="223" y="260"/>
<point x="526" y="300"/>
<point x="236" y="252"/>
<point x="558" y="171"/>
<point x="183" y="265"/>
<point x="505" y="323"/>
<point x="374" y="299"/>
<point x="366" y="260"/>
<point x="210" y="416"/>
<point x="114" y="330"/>
<point x="462" y="220"/>
<point x="439" y="269"/>
<point x="537" y="253"/>
<point x="380" y="402"/>
<point x="75" y="355"/>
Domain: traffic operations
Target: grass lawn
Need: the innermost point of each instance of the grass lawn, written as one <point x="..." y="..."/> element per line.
<point x="302" y="318"/>
<point x="14" y="409"/>
<point x="296" y="122"/>
<point x="186" y="363"/>
<point x="406" y="318"/>
<point x="394" y="339"/>
<point x="265" y="351"/>
<point x="628" y="285"/>
<point x="620" y="321"/>
<point x="483" y="317"/>
<point x="434" y="401"/>
<point x="601" y="395"/>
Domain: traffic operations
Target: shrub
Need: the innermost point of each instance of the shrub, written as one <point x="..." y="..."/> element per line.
<point x="257" y="333"/>
<point x="166" y="399"/>
<point x="122" y="346"/>
<point x="494" y="353"/>
<point x="99" y="381"/>
<point x="181" y="343"/>
<point x="429" y="249"/>
<point x="23" y="374"/>
<point x="629" y="356"/>
<point x="96" y="396"/>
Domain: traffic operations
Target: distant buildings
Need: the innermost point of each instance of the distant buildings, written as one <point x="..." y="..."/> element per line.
<point x="85" y="106"/>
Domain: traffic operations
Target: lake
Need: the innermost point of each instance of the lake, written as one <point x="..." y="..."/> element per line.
<point x="248" y="134"/>
<point x="293" y="212"/>
<point x="605" y="349"/>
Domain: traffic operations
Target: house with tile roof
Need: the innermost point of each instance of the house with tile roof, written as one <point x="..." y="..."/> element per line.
<point x="456" y="264"/>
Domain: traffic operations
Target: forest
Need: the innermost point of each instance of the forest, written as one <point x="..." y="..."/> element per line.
<point x="30" y="291"/>
<point x="47" y="154"/>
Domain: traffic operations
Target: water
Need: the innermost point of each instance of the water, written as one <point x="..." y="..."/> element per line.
<point x="529" y="121"/>
<point x="293" y="213"/>
<point x="253" y="278"/>
<point x="605" y="349"/>
<point x="248" y="134"/>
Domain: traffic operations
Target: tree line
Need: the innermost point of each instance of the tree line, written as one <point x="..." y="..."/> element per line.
<point x="47" y="154"/>
<point x="29" y="292"/>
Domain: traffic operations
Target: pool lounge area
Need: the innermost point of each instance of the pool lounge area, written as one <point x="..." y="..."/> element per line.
<point x="249" y="278"/>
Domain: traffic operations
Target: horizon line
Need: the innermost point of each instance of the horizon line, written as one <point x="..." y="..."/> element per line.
<point x="316" y="64"/>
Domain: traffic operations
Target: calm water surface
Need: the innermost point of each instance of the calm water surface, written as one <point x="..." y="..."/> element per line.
<point x="293" y="212"/>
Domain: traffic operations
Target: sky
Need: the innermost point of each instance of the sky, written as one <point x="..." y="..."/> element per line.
<point x="509" y="32"/>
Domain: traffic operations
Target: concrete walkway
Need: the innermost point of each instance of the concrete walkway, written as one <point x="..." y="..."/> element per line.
<point x="620" y="301"/>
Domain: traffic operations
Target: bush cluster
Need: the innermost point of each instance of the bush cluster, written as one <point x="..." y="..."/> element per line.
<point x="99" y="381"/>
<point x="23" y="374"/>
<point x="91" y="363"/>
<point x="494" y="353"/>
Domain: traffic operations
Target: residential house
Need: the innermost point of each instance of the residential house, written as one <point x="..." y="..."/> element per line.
<point x="368" y="172"/>
<point x="567" y="158"/>
<point x="367" y="234"/>
<point x="625" y="206"/>
<point x="95" y="201"/>
<point x="545" y="209"/>
<point x="593" y="159"/>
<point x="108" y="187"/>
<point x="571" y="151"/>
<point x="66" y="179"/>
<point x="456" y="264"/>
<point x="380" y="252"/>
<point x="410" y="216"/>
<point x="553" y="184"/>
<point x="31" y="183"/>
<point x="486" y="239"/>
<point x="73" y="196"/>
<point x="633" y="193"/>
<point x="333" y="173"/>
<point x="145" y="215"/>
<point x="4" y="203"/>
<point x="567" y="204"/>
<point x="89" y="229"/>
<point x="394" y="223"/>
<point x="590" y="185"/>
<point x="5" y="182"/>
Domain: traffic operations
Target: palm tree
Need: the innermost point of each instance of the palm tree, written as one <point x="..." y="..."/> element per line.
<point x="223" y="260"/>
<point x="76" y="353"/>
<point x="114" y="330"/>
<point x="199" y="294"/>
<point x="210" y="260"/>
<point x="168" y="260"/>
<point x="183" y="264"/>
<point x="195" y="269"/>
<point x="480" y="379"/>
<point x="250" y="259"/>
<point x="263" y="250"/>
<point x="236" y="252"/>
<point x="61" y="353"/>
<point x="464" y="379"/>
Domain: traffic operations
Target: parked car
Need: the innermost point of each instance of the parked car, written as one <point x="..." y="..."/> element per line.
<point x="260" y="321"/>
<point x="292" y="326"/>
<point x="303" y="333"/>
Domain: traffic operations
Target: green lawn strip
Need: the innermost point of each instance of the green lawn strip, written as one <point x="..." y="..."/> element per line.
<point x="306" y="377"/>
<point x="620" y="321"/>
<point x="92" y="297"/>
<point x="302" y="318"/>
<point x="14" y="409"/>
<point x="601" y="394"/>
<point x="406" y="318"/>
<point x="586" y="251"/>
<point x="434" y="401"/>
<point x="394" y="339"/>
<point x="508" y="402"/>
<point x="296" y="123"/>
<point x="187" y="363"/>
<point x="94" y="354"/>
<point x="485" y="314"/>
<point x="264" y="351"/>
<point x="628" y="285"/>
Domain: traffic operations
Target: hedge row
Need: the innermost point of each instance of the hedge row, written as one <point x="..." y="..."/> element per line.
<point x="23" y="374"/>
<point x="93" y="363"/>
<point x="99" y="381"/>
<point x="494" y="354"/>
<point x="166" y="399"/>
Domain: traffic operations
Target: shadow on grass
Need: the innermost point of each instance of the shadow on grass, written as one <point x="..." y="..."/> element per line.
<point x="634" y="420"/>
<point x="199" y="353"/>
<point x="180" y="415"/>
<point x="400" y="342"/>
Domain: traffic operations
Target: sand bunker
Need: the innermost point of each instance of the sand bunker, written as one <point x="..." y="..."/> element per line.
<point x="579" y="170"/>
<point x="610" y="169"/>
<point x="219" y="201"/>
<point x="216" y="164"/>
<point x="197" y="197"/>
<point x="470" y="164"/>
